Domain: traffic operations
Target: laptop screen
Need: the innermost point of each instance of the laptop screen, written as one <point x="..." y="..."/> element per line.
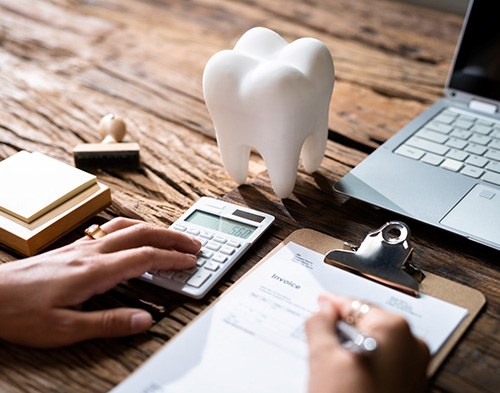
<point x="477" y="64"/>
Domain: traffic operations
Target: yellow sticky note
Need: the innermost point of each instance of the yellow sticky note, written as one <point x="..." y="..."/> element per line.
<point x="32" y="184"/>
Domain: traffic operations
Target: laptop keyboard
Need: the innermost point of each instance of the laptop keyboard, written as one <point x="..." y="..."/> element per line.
<point x="458" y="141"/>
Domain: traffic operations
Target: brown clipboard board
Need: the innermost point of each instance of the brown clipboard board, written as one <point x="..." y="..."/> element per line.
<point x="433" y="285"/>
<point x="436" y="286"/>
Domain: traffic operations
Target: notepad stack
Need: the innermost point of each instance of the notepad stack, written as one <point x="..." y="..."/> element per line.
<point x="41" y="199"/>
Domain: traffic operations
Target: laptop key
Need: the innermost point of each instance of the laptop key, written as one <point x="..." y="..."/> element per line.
<point x="465" y="124"/>
<point x="495" y="133"/>
<point x="432" y="136"/>
<point x="476" y="161"/>
<point x="493" y="166"/>
<point x="481" y="129"/>
<point x="445" y="118"/>
<point x="494" y="144"/>
<point x="480" y="139"/>
<point x="452" y="165"/>
<point x="467" y="117"/>
<point x="432" y="159"/>
<point x="462" y="134"/>
<point x="456" y="143"/>
<point x="476" y="149"/>
<point x="492" y="178"/>
<point x="426" y="145"/>
<point x="458" y="155"/>
<point x="493" y="154"/>
<point x="440" y="127"/>
<point x="472" y="171"/>
<point x="484" y="122"/>
<point x="409" y="152"/>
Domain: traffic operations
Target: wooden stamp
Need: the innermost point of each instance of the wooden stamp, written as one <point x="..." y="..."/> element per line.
<point x="111" y="152"/>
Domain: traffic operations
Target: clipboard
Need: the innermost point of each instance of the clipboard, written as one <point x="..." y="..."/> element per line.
<point x="200" y="340"/>
<point x="433" y="285"/>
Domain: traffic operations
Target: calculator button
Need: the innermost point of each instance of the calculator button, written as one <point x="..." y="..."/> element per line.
<point x="220" y="239"/>
<point x="219" y="258"/>
<point x="193" y="231"/>
<point x="234" y="244"/>
<point x="213" y="246"/>
<point x="167" y="273"/>
<point x="206" y="235"/>
<point x="199" y="278"/>
<point x="190" y="271"/>
<point x="202" y="241"/>
<point x="211" y="266"/>
<point x="204" y="253"/>
<point x="180" y="228"/>
<point x="227" y="250"/>
<point x="201" y="261"/>
<point x="181" y="277"/>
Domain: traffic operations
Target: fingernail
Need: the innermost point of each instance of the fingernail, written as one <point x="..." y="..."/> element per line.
<point x="196" y="241"/>
<point x="140" y="321"/>
<point x="193" y="257"/>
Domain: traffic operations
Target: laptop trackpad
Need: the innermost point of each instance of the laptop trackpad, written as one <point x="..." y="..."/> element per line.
<point x="477" y="214"/>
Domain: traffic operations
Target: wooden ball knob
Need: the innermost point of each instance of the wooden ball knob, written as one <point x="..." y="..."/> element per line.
<point x="112" y="128"/>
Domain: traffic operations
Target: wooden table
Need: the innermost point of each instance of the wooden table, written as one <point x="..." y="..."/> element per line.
<point x="66" y="63"/>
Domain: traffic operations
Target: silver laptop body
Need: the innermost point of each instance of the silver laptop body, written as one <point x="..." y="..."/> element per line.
<point x="443" y="168"/>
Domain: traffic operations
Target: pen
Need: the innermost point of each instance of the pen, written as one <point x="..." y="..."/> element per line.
<point x="353" y="340"/>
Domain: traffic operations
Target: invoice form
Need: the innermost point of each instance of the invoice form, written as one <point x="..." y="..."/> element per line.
<point x="253" y="338"/>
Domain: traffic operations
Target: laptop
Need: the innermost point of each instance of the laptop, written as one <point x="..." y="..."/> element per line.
<point x="443" y="168"/>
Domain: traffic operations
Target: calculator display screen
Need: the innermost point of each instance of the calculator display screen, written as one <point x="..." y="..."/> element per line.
<point x="221" y="224"/>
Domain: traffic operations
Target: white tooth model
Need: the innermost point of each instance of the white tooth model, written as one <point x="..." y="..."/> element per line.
<point x="274" y="97"/>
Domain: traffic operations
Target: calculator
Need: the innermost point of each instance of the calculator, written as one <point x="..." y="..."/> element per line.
<point x="226" y="231"/>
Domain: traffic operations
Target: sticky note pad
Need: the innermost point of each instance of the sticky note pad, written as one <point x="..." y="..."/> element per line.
<point x="31" y="184"/>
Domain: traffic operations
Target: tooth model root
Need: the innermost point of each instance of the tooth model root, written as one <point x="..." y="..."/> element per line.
<point x="282" y="169"/>
<point x="314" y="148"/>
<point x="235" y="160"/>
<point x="274" y="97"/>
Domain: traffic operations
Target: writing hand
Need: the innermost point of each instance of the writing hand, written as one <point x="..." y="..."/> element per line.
<point x="398" y="364"/>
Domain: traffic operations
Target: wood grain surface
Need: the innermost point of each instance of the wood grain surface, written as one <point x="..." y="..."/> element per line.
<point x="66" y="63"/>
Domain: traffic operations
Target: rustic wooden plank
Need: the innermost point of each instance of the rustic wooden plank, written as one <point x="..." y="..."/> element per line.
<point x="423" y="34"/>
<point x="379" y="72"/>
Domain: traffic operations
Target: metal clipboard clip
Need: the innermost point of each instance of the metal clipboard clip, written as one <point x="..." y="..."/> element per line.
<point x="384" y="256"/>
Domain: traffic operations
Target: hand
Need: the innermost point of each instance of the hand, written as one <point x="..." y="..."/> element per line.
<point x="398" y="364"/>
<point x="38" y="295"/>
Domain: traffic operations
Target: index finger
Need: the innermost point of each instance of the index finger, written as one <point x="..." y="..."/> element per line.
<point x="143" y="234"/>
<point x="118" y="223"/>
<point x="102" y="272"/>
<point x="320" y="327"/>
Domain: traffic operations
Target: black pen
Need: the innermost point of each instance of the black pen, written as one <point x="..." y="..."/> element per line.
<point x="353" y="340"/>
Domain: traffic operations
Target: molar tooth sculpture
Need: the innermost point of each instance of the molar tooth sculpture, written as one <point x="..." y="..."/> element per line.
<point x="274" y="97"/>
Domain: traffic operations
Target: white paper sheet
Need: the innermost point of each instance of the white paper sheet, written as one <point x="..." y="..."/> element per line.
<point x="253" y="339"/>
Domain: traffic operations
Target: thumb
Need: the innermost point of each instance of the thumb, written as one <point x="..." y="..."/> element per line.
<point x="117" y="322"/>
<point x="320" y="327"/>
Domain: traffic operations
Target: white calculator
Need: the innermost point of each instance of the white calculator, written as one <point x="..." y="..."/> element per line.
<point x="226" y="231"/>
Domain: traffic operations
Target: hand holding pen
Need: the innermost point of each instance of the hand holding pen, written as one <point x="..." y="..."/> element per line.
<point x="387" y="358"/>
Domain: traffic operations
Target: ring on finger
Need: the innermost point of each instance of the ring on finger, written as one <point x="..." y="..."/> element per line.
<point x="95" y="232"/>
<point x="357" y="311"/>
